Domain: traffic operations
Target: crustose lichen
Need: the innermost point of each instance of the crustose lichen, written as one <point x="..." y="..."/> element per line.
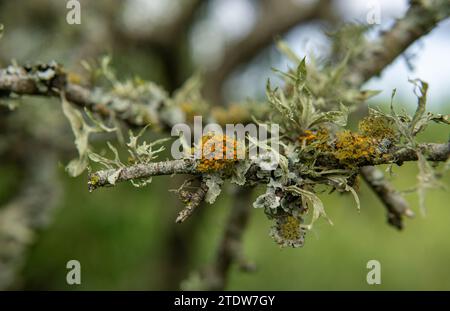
<point x="218" y="152"/>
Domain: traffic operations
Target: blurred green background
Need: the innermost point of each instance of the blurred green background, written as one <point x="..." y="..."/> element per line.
<point x="126" y="238"/>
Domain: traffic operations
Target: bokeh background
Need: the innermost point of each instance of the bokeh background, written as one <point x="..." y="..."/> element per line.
<point x="126" y="238"/>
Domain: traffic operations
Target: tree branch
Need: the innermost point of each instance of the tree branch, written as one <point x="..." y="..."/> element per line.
<point x="50" y="80"/>
<point x="111" y="176"/>
<point x="396" y="205"/>
<point x="433" y="152"/>
<point x="192" y="200"/>
<point x="27" y="213"/>
<point x="420" y="19"/>
<point x="275" y="19"/>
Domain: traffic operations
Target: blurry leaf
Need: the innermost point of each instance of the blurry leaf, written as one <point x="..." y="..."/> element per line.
<point x="98" y="123"/>
<point x="301" y="74"/>
<point x="287" y="75"/>
<point x="355" y="196"/>
<point x="426" y="180"/>
<point x="106" y="70"/>
<point x="81" y="132"/>
<point x="113" y="177"/>
<point x="116" y="155"/>
<point x="77" y="166"/>
<point x="400" y="125"/>
<point x="107" y="163"/>
<point x="194" y="282"/>
<point x="141" y="182"/>
<point x="313" y="202"/>
<point x="239" y="170"/>
<point x="340" y="183"/>
<point x="190" y="91"/>
<point x="367" y="94"/>
<point x="286" y="50"/>
<point x="336" y="117"/>
<point x="419" y="120"/>
<point x="267" y="201"/>
<point x="86" y="65"/>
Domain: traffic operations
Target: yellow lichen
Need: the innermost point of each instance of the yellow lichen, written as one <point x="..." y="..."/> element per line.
<point x="218" y="152"/>
<point x="320" y="139"/>
<point x="377" y="127"/>
<point x="287" y="231"/>
<point x="93" y="180"/>
<point x="350" y="148"/>
<point x="290" y="228"/>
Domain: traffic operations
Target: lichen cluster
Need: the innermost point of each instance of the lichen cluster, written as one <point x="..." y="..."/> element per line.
<point x="218" y="153"/>
<point x="351" y="148"/>
<point x="316" y="150"/>
<point x="377" y="127"/>
<point x="287" y="231"/>
<point x="376" y="134"/>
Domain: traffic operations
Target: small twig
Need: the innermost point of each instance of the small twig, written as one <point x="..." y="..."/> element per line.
<point x="192" y="200"/>
<point x="396" y="205"/>
<point x="102" y="178"/>
<point x="50" y="80"/>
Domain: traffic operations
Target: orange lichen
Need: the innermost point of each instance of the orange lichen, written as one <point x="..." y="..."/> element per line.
<point x="218" y="152"/>
<point x="320" y="138"/>
<point x="307" y="137"/>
